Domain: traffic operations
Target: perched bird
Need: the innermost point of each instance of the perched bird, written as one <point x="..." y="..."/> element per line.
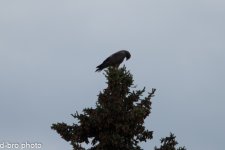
<point x="114" y="60"/>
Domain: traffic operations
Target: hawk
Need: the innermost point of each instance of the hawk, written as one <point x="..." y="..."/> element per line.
<point x="114" y="60"/>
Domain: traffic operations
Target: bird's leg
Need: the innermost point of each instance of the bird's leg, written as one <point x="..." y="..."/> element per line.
<point x="116" y="66"/>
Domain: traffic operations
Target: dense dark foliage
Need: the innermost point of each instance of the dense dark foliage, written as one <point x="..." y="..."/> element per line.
<point x="169" y="143"/>
<point x="117" y="121"/>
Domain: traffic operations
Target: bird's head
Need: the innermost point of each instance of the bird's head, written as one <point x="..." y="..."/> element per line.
<point x="127" y="55"/>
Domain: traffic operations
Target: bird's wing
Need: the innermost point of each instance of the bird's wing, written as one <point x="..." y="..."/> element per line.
<point x="117" y="58"/>
<point x="107" y="61"/>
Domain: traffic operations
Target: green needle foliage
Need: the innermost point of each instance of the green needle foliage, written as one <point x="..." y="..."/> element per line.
<point x="169" y="143"/>
<point x="117" y="121"/>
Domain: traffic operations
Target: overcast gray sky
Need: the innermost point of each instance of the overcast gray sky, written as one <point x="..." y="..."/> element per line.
<point x="49" y="51"/>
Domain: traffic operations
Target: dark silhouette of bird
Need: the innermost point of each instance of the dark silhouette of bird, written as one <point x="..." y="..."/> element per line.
<point x="114" y="60"/>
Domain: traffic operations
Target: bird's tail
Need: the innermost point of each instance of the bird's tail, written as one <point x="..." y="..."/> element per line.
<point x="99" y="68"/>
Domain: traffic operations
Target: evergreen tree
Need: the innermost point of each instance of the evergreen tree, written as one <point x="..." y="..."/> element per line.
<point x="117" y="121"/>
<point x="169" y="143"/>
